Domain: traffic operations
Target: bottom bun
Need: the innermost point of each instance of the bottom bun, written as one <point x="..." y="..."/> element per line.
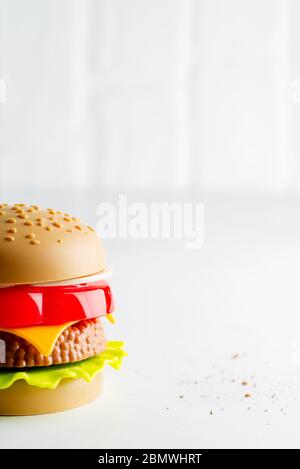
<point x="23" y="399"/>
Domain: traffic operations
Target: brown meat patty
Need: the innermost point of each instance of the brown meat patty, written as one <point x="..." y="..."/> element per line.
<point x="79" y="341"/>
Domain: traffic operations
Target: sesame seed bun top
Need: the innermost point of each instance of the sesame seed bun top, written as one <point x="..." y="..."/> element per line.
<point x="38" y="246"/>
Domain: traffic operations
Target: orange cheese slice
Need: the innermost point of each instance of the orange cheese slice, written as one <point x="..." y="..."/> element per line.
<point x="111" y="318"/>
<point x="41" y="337"/>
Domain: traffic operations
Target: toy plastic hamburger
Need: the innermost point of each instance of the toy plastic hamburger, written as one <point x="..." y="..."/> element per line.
<point x="53" y="297"/>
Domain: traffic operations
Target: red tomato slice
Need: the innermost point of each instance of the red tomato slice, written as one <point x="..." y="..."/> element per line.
<point x="29" y="305"/>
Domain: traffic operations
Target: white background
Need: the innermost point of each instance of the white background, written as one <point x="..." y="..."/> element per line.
<point x="170" y="100"/>
<point x="144" y="94"/>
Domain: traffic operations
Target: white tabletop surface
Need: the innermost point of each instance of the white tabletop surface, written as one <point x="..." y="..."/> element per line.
<point x="197" y="324"/>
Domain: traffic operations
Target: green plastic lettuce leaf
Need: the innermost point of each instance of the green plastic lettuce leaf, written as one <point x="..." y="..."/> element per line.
<point x="50" y="377"/>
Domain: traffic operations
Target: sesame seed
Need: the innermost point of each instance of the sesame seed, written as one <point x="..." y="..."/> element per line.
<point x="57" y="225"/>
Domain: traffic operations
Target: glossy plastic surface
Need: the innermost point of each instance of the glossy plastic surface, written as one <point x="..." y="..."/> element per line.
<point x="21" y="399"/>
<point x="29" y="305"/>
